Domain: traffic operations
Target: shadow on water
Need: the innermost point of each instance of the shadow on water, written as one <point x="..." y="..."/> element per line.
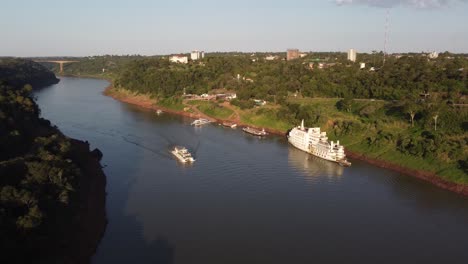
<point x="123" y="148"/>
<point x="124" y="153"/>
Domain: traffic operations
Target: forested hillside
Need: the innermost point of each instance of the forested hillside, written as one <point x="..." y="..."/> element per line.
<point x="43" y="176"/>
<point x="18" y="72"/>
<point x="399" y="77"/>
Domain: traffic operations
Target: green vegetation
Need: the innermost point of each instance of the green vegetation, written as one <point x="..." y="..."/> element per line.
<point x="212" y="109"/>
<point x="19" y="72"/>
<point x="172" y="103"/>
<point x="409" y="111"/>
<point x="105" y="67"/>
<point x="39" y="175"/>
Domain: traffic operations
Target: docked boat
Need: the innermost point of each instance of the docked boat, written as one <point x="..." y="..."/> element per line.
<point x="315" y="142"/>
<point x="200" y="122"/>
<point x="182" y="154"/>
<point x="229" y="124"/>
<point x="255" y="132"/>
<point x="159" y="111"/>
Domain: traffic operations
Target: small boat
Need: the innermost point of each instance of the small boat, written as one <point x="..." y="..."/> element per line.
<point x="229" y="124"/>
<point x="159" y="111"/>
<point x="200" y="121"/>
<point x="182" y="154"/>
<point x="255" y="132"/>
<point x="344" y="163"/>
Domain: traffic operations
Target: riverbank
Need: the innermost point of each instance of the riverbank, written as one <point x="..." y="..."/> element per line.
<point x="147" y="102"/>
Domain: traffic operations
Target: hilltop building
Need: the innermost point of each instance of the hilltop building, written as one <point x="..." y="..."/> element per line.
<point x="352" y="55"/>
<point x="179" y="59"/>
<point x="292" y="54"/>
<point x="433" y="55"/>
<point x="197" y="55"/>
<point x="271" y="57"/>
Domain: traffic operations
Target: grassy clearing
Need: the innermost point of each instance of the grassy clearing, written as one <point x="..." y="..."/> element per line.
<point x="266" y="118"/>
<point x="212" y="109"/>
<point x="171" y="103"/>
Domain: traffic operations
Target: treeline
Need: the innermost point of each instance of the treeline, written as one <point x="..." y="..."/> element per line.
<point x="18" y="72"/>
<point x="98" y="66"/>
<point x="253" y="76"/>
<point x="40" y="172"/>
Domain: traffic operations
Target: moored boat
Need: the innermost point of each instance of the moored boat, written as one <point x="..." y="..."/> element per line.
<point x="229" y="124"/>
<point x="182" y="154"/>
<point x="315" y="142"/>
<point x="200" y="121"/>
<point x="255" y="132"/>
<point x="159" y="111"/>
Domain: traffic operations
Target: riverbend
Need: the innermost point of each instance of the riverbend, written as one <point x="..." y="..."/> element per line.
<point x="247" y="199"/>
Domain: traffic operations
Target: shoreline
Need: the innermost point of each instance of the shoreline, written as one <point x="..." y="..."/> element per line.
<point x="422" y="175"/>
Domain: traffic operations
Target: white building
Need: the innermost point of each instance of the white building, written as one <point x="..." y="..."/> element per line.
<point x="179" y="59"/>
<point x="352" y="55"/>
<point x="362" y="65"/>
<point x="197" y="55"/>
<point x="433" y="55"/>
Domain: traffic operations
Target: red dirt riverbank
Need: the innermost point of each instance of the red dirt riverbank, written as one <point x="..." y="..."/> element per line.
<point x="423" y="175"/>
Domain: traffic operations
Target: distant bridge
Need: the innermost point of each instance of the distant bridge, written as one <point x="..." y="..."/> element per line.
<point x="60" y="62"/>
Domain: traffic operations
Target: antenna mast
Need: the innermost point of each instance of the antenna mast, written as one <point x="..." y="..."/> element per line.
<point x="387" y="19"/>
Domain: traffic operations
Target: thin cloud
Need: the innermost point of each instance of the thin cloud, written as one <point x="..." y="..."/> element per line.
<point x="421" y="4"/>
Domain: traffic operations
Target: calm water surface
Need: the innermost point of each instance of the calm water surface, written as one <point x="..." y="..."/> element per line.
<point x="247" y="200"/>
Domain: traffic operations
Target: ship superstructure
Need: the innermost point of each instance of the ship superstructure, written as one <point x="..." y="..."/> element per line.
<point x="315" y="142"/>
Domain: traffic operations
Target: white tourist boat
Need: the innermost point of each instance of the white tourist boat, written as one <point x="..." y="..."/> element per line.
<point x="159" y="111"/>
<point x="182" y="154"/>
<point x="200" y="122"/>
<point x="315" y="142"/>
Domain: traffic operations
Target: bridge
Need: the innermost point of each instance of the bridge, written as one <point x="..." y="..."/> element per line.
<point x="60" y="62"/>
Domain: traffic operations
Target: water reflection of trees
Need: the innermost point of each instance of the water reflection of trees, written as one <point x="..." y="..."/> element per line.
<point x="313" y="166"/>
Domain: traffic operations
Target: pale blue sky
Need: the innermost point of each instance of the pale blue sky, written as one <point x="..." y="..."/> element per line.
<point x="148" y="27"/>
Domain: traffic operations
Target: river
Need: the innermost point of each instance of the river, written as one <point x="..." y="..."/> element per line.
<point x="245" y="199"/>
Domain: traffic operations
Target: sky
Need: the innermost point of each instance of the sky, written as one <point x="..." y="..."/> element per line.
<point x="151" y="27"/>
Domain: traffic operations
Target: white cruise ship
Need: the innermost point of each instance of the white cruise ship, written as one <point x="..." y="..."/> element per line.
<point x="312" y="141"/>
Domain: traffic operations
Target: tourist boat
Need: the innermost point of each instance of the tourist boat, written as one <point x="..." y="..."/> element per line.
<point x="315" y="142"/>
<point x="182" y="154"/>
<point x="159" y="111"/>
<point x="200" y="122"/>
<point x="255" y="132"/>
<point x="229" y="124"/>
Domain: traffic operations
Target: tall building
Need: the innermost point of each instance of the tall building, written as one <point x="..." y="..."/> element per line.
<point x="197" y="55"/>
<point x="292" y="54"/>
<point x="352" y="55"/>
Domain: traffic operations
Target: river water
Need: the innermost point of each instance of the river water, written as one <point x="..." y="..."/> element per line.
<point x="245" y="199"/>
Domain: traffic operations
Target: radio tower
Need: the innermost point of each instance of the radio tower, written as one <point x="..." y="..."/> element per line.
<point x="386" y="34"/>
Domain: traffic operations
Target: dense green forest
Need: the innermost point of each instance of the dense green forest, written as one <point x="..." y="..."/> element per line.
<point x="398" y="77"/>
<point x="409" y="110"/>
<point x="40" y="172"/>
<point x="18" y="72"/>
